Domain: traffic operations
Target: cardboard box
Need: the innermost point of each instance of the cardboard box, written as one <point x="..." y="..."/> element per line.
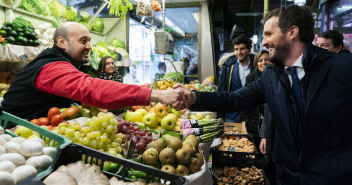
<point x="235" y="128"/>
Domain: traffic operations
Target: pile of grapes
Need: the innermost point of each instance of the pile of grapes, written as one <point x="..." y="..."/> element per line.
<point x="133" y="132"/>
<point x="99" y="133"/>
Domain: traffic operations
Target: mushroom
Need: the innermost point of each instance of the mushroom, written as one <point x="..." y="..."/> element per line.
<point x="238" y="178"/>
<point x="246" y="169"/>
<point x="233" y="172"/>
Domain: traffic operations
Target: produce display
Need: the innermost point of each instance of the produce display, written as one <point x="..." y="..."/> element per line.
<point x="45" y="33"/>
<point x="172" y="155"/>
<point x="19" y="32"/>
<point x="3" y="89"/>
<point x="236" y="145"/>
<point x="20" y="157"/>
<point x="235" y="175"/>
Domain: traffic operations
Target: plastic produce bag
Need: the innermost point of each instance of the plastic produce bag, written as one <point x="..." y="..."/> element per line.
<point x="144" y="8"/>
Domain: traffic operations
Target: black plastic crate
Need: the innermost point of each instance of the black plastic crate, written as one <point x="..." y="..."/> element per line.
<point x="74" y="152"/>
<point x="239" y="163"/>
<point x="229" y="155"/>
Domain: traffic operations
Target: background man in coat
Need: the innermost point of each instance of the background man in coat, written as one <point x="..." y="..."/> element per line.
<point x="310" y="103"/>
<point x="234" y="69"/>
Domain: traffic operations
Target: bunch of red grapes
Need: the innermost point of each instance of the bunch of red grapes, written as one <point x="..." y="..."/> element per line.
<point x="133" y="132"/>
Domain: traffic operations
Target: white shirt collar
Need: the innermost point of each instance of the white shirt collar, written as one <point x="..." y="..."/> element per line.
<point x="299" y="68"/>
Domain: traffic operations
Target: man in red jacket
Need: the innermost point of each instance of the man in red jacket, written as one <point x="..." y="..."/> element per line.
<point x="52" y="79"/>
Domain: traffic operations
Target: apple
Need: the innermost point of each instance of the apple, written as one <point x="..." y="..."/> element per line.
<point x="160" y="110"/>
<point x="168" y="122"/>
<point x="150" y="120"/>
<point x="133" y="117"/>
<point x="172" y="114"/>
<point x="142" y="111"/>
<point x="200" y="115"/>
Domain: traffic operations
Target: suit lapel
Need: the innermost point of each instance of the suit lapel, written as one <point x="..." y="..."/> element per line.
<point x="320" y="72"/>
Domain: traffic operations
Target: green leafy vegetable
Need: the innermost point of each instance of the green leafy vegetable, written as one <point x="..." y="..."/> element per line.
<point x="172" y="75"/>
<point x="116" y="43"/>
<point x="122" y="52"/>
<point x="57" y="9"/>
<point x="34" y="6"/>
<point x="19" y="22"/>
<point x="72" y="16"/>
<point x="117" y="8"/>
<point x="85" y="15"/>
<point x="98" y="25"/>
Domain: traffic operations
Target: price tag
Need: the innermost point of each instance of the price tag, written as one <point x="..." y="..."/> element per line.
<point x="194" y="123"/>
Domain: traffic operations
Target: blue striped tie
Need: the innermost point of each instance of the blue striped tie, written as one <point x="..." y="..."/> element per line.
<point x="296" y="87"/>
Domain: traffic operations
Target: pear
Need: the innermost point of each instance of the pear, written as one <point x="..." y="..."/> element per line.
<point x="183" y="156"/>
<point x="159" y="144"/>
<point x="194" y="165"/>
<point x="190" y="147"/>
<point x="200" y="157"/>
<point x="173" y="142"/>
<point x="168" y="168"/>
<point x="167" y="156"/>
<point x="192" y="139"/>
<point x="182" y="170"/>
<point x="150" y="156"/>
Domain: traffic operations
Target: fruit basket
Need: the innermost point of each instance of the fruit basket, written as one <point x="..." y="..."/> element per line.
<point x="75" y="152"/>
<point x="52" y="139"/>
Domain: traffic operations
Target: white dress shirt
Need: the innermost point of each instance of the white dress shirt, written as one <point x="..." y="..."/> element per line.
<point x="243" y="71"/>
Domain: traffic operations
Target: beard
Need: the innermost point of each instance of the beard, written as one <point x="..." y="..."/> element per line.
<point x="245" y="58"/>
<point x="280" y="53"/>
<point x="76" y="57"/>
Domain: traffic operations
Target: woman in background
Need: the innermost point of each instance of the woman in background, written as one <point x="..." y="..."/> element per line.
<point x="107" y="69"/>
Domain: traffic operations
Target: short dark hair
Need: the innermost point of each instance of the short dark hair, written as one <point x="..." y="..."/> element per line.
<point x="334" y="35"/>
<point x="102" y="63"/>
<point x="300" y="16"/>
<point x="161" y="64"/>
<point x="61" y="31"/>
<point x="242" y="40"/>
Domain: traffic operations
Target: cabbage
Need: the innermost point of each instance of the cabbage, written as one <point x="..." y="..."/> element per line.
<point x="71" y="16"/>
<point x="34" y="6"/>
<point x="56" y="23"/>
<point x="102" y="44"/>
<point x="97" y="25"/>
<point x="89" y="27"/>
<point x="100" y="51"/>
<point x="85" y="16"/>
<point x="57" y="9"/>
<point x="116" y="43"/>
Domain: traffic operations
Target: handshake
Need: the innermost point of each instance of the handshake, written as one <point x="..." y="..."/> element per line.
<point x="179" y="97"/>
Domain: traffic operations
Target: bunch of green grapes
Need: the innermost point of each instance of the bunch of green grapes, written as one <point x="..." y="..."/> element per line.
<point x="99" y="133"/>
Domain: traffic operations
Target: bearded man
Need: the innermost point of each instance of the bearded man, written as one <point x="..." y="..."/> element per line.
<point x="309" y="92"/>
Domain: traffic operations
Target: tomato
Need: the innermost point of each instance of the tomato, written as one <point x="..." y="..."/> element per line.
<point x="71" y="112"/>
<point x="43" y="121"/>
<point x="134" y="108"/>
<point x="53" y="111"/>
<point x="35" y="121"/>
<point x="56" y="119"/>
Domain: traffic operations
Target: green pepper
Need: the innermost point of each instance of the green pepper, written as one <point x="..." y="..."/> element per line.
<point x="112" y="168"/>
<point x="119" y="171"/>
<point x="139" y="174"/>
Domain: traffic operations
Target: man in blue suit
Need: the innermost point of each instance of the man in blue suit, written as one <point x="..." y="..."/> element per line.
<point x="309" y="92"/>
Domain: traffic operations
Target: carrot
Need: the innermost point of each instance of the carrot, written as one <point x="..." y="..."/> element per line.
<point x="2" y="39"/>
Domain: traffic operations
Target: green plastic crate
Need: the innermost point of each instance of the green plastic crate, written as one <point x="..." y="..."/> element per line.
<point x="54" y="140"/>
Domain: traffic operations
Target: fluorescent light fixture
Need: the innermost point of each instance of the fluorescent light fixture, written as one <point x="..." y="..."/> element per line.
<point x="173" y="27"/>
<point x="300" y="2"/>
<point x="255" y="39"/>
<point x="195" y="15"/>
